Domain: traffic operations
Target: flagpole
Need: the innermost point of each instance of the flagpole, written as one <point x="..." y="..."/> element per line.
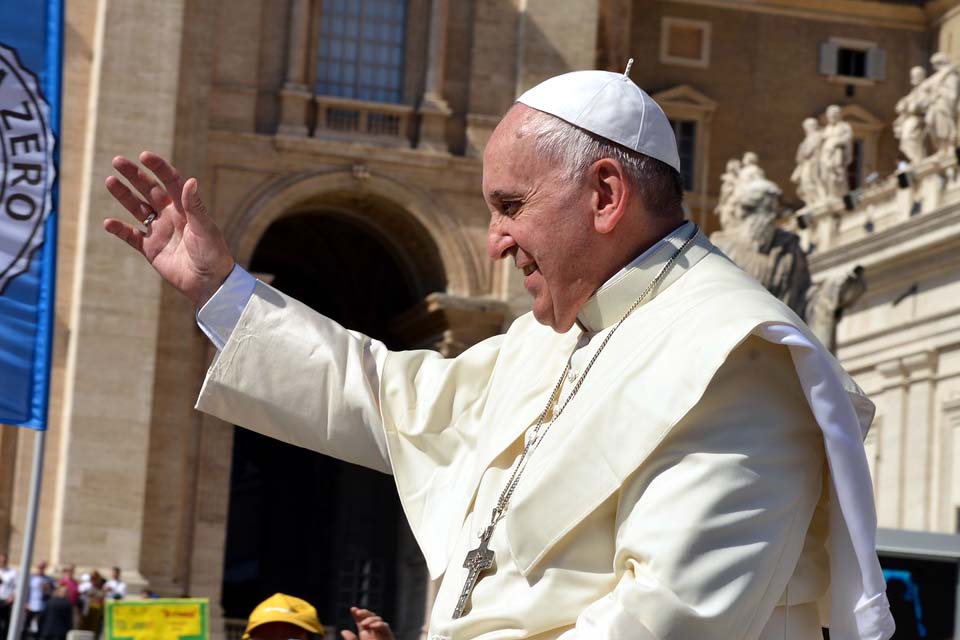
<point x="29" y="535"/>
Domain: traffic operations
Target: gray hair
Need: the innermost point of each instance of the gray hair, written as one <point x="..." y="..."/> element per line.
<point x="576" y="149"/>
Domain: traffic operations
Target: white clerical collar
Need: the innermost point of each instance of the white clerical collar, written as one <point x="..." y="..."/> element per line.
<point x="615" y="296"/>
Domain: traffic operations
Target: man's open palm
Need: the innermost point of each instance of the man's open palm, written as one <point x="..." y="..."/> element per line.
<point x="182" y="242"/>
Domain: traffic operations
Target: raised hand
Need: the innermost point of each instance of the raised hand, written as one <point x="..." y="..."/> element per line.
<point x="371" y="626"/>
<point x="182" y="242"/>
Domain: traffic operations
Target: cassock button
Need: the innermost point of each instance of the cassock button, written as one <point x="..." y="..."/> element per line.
<point x="571" y="376"/>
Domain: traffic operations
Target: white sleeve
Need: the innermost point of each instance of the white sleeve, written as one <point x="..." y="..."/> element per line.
<point x="290" y="373"/>
<point x="219" y="316"/>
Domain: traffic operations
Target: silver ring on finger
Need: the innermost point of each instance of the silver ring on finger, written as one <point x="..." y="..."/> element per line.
<point x="149" y="219"/>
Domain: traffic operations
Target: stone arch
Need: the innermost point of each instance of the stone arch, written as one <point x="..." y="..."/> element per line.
<point x="406" y="218"/>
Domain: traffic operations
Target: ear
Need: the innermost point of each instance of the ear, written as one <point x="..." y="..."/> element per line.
<point x="610" y="194"/>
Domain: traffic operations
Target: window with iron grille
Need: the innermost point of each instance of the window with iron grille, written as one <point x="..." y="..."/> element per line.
<point x="361" y="49"/>
<point x="686" y="134"/>
<point x="360" y="583"/>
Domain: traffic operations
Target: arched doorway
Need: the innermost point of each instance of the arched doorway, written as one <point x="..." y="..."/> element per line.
<point x="302" y="523"/>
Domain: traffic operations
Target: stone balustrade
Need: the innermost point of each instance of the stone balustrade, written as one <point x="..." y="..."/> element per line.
<point x="915" y="191"/>
<point x="350" y="120"/>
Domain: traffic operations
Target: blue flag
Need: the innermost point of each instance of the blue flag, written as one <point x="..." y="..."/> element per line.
<point x="31" y="39"/>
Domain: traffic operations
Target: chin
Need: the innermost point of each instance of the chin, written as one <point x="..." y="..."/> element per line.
<point x="548" y="318"/>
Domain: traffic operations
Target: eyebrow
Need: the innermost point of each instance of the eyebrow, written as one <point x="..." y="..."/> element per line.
<point x="500" y="194"/>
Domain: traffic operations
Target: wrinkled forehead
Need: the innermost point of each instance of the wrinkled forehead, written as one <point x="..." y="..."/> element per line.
<point x="509" y="155"/>
<point x="512" y="131"/>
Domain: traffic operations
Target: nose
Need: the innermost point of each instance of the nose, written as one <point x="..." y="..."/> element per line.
<point x="499" y="243"/>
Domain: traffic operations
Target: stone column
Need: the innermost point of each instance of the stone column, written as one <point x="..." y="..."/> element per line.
<point x="890" y="463"/>
<point x="434" y="110"/>
<point x="492" y="71"/>
<point x="295" y="95"/>
<point x="211" y="510"/>
<point x="920" y="442"/>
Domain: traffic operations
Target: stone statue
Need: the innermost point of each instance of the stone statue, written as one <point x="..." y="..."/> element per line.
<point x="828" y="300"/>
<point x="836" y="154"/>
<point x="807" y="173"/>
<point x="750" y="169"/>
<point x="910" y="127"/>
<point x="758" y="245"/>
<point x="941" y="115"/>
<point x="728" y="182"/>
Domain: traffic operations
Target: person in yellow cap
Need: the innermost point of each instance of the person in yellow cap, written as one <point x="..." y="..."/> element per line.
<point x="283" y="617"/>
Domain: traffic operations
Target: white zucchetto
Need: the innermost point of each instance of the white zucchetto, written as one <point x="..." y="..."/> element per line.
<point x="609" y="105"/>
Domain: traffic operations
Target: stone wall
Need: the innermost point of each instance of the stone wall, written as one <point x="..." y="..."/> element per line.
<point x="763" y="72"/>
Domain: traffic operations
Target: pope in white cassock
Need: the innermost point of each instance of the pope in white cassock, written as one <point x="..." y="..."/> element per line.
<point x="660" y="449"/>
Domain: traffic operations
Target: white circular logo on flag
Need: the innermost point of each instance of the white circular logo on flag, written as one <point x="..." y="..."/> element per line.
<point x="27" y="169"/>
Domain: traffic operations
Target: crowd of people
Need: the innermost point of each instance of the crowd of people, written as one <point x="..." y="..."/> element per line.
<point x="57" y="604"/>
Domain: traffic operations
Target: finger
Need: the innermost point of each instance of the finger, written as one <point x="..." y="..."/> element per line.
<point x="125" y="232"/>
<point x="152" y="192"/>
<point x="361" y="614"/>
<point x="348" y="635"/>
<point x="194" y="208"/>
<point x="127" y="198"/>
<point x="167" y="174"/>
<point x="368" y="623"/>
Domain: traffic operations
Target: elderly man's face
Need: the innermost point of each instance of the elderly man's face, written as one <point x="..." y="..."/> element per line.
<point x="540" y="219"/>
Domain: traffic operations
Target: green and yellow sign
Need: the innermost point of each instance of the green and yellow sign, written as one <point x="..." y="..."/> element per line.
<point x="163" y="619"/>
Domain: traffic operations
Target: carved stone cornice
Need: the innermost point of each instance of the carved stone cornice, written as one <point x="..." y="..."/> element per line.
<point x="890" y="369"/>
<point x="876" y="14"/>
<point x="902" y="239"/>
<point x="920" y="365"/>
<point x="952" y="405"/>
<point x="450" y="324"/>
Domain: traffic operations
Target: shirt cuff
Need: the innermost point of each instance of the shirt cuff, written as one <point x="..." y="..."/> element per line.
<point x="220" y="315"/>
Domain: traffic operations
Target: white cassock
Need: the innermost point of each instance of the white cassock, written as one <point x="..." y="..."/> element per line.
<point x="682" y="494"/>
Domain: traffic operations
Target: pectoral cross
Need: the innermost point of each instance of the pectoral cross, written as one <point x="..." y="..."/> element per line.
<point x="477" y="561"/>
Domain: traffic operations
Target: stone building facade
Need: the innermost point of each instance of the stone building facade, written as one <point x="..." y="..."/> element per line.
<point x="354" y="183"/>
<point x="901" y="340"/>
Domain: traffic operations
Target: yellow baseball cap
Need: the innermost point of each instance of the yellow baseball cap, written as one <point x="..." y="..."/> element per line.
<point x="283" y="608"/>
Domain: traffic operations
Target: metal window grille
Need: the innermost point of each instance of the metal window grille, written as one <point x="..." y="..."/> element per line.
<point x="361" y="49"/>
<point x="361" y="583"/>
<point x="686" y="134"/>
<point x="383" y="124"/>
<point x="342" y="119"/>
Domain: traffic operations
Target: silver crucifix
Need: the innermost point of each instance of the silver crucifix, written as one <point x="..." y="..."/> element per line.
<point x="476" y="562"/>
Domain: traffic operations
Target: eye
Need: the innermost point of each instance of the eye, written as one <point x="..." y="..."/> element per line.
<point x="510" y="207"/>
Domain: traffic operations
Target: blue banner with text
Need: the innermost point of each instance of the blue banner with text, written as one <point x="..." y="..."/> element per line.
<point x="31" y="44"/>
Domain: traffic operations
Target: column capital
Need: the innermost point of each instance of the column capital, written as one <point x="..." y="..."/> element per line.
<point x="890" y="369"/>
<point x="920" y="364"/>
